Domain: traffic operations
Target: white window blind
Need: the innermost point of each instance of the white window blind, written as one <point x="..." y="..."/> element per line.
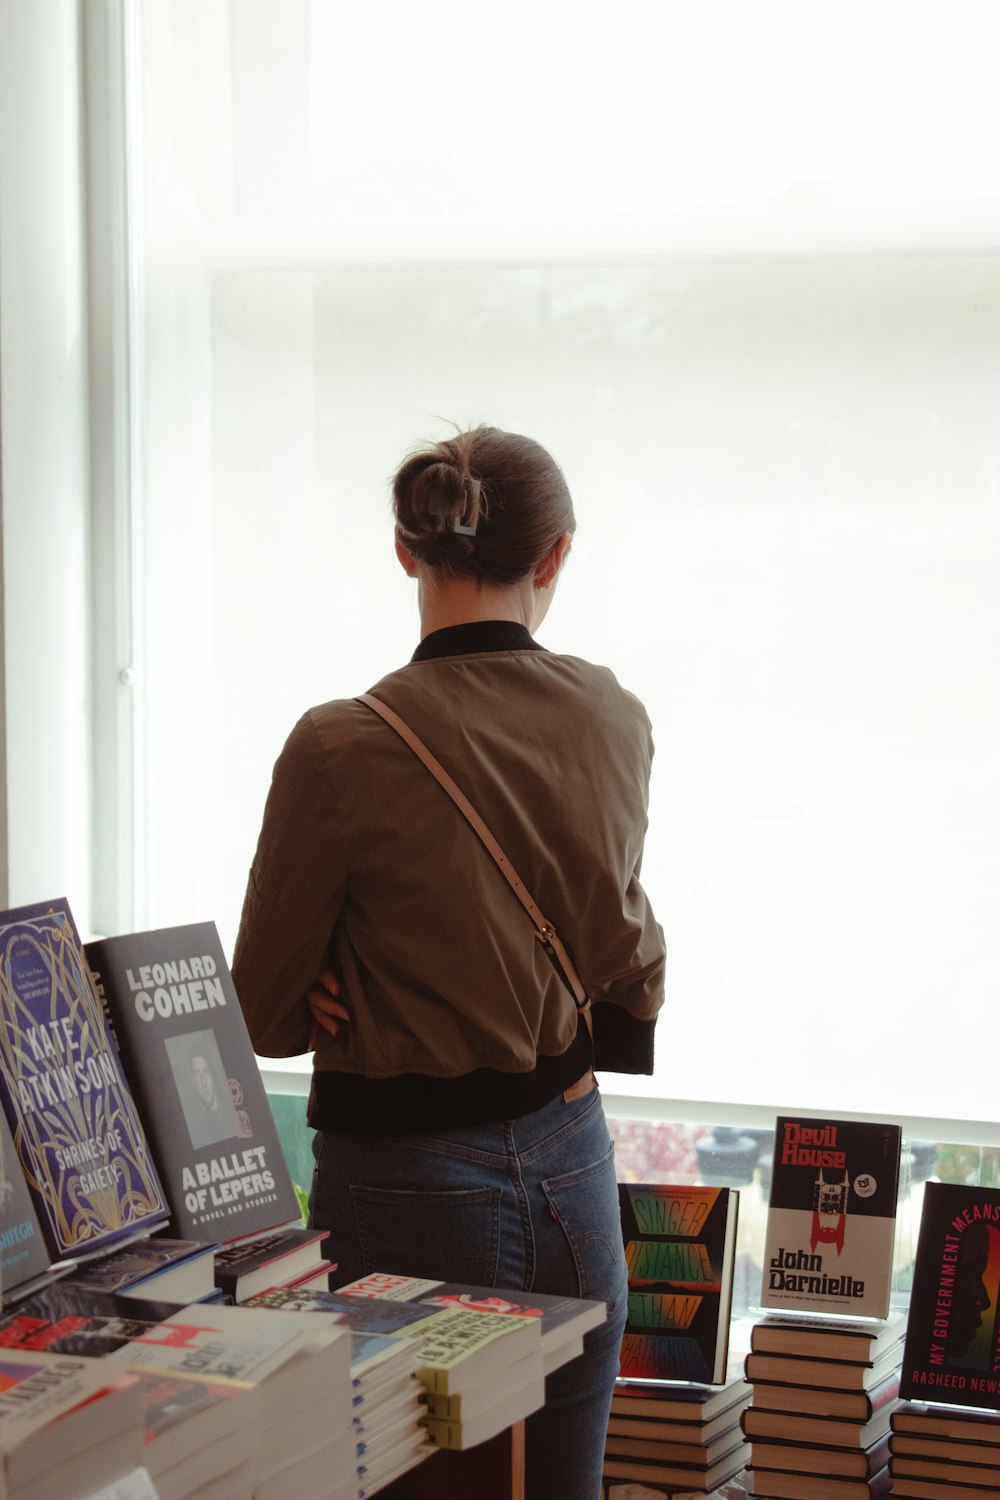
<point x="737" y="267"/>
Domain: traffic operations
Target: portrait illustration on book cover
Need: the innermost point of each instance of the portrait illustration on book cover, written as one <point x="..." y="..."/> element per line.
<point x="952" y="1348"/>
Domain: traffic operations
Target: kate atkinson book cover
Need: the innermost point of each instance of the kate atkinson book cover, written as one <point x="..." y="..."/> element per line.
<point x="76" y="1129"/>
<point x="831" y="1218"/>
<point x="951" y="1352"/>
<point x="680" y="1246"/>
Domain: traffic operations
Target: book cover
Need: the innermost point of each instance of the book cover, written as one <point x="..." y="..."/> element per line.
<point x="74" y="1123"/>
<point x="52" y="1405"/>
<point x="247" y="1269"/>
<point x="63" y="1319"/>
<point x="168" y="1270"/>
<point x="235" y="1343"/>
<point x="952" y="1347"/>
<point x="680" y="1246"/>
<point x="176" y="1017"/>
<point x="562" y="1319"/>
<point x="25" y="1261"/>
<point x="831" y="1217"/>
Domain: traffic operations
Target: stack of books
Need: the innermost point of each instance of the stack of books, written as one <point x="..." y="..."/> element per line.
<point x="944" y="1450"/>
<point x="481" y="1370"/>
<point x="386" y="1409"/>
<point x="824" y="1390"/>
<point x="562" y="1321"/>
<point x="291" y="1257"/>
<point x="67" y="1425"/>
<point x="674" y="1436"/>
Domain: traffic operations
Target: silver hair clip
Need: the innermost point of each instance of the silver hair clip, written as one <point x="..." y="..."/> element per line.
<point x="457" y="523"/>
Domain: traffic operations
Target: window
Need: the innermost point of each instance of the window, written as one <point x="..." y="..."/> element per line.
<point x="740" y="274"/>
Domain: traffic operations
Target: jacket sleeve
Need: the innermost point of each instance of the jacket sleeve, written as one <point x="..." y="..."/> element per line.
<point x="293" y="898"/>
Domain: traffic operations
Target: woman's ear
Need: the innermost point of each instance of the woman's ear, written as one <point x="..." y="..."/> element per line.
<point x="407" y="561"/>
<point x="547" y="569"/>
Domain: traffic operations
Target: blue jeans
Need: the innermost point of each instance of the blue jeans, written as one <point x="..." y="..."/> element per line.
<point x="530" y="1203"/>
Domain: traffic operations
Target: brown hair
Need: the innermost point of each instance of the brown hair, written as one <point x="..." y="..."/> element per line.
<point x="484" y="504"/>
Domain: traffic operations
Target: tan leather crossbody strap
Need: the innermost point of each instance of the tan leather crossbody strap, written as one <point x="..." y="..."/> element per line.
<point x="545" y="932"/>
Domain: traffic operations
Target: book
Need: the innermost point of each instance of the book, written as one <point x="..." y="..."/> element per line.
<point x="802" y="1427"/>
<point x="777" y="1484"/>
<point x="857" y="1463"/>
<point x="676" y="1432"/>
<point x="859" y="1404"/>
<point x="75" y="1126"/>
<point x="25" y="1261"/>
<point x="676" y="1476"/>
<point x="944" y="1471"/>
<point x="944" y="1448"/>
<point x="274" y="1260"/>
<point x="831" y="1217"/>
<point x="63" y="1319"/>
<point x="177" y="1021"/>
<point x="166" y="1270"/>
<point x="695" y="1455"/>
<point x="236" y="1343"/>
<point x="484" y="1393"/>
<point x="680" y="1244"/>
<point x="562" y="1320"/>
<point x="54" y="1406"/>
<point x="855" y="1341"/>
<point x="823" y="1374"/>
<point x="182" y="1413"/>
<point x="907" y="1488"/>
<point x="678" y="1402"/>
<point x="467" y="1432"/>
<point x="952" y="1347"/>
<point x="958" y="1424"/>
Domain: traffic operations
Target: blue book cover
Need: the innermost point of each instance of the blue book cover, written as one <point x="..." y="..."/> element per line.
<point x="75" y="1127"/>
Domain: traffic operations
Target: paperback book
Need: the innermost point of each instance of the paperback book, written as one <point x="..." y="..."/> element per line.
<point x="680" y="1246"/>
<point x="952" y="1348"/>
<point x="74" y="1123"/>
<point x="175" y="1015"/>
<point x="563" y="1320"/>
<point x="831" y="1217"/>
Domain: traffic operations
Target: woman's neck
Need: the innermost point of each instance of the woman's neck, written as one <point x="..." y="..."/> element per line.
<point x="462" y="601"/>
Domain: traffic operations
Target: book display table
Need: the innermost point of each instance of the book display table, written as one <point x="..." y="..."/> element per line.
<point x="491" y="1471"/>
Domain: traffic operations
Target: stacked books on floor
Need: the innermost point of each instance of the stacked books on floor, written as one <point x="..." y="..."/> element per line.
<point x="946" y="1433"/>
<point x="824" y="1390"/>
<point x="670" y="1436"/>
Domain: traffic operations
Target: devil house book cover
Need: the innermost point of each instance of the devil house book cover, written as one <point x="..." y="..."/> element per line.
<point x="679" y="1252"/>
<point x="952" y="1349"/>
<point x="176" y="1017"/>
<point x="831" y="1216"/>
